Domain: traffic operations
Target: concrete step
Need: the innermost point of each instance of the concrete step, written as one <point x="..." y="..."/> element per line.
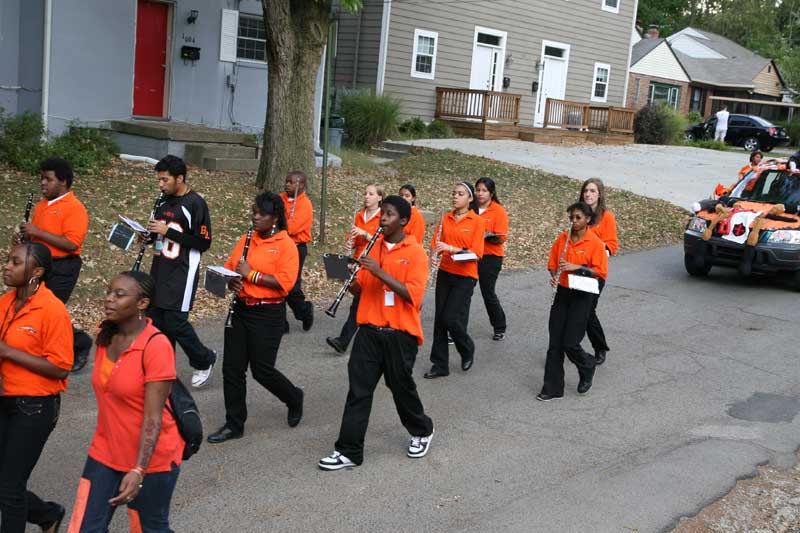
<point x="195" y="153"/>
<point x="388" y="154"/>
<point x="229" y="163"/>
<point x="180" y="131"/>
<point x="391" y="145"/>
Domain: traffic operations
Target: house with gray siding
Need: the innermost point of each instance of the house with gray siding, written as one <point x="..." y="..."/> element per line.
<point x="576" y="50"/>
<point x="189" y="61"/>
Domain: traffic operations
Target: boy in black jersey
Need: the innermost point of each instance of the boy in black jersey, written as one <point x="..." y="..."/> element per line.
<point x="181" y="231"/>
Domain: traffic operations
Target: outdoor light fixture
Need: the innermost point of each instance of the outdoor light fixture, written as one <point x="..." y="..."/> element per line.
<point x="509" y="60"/>
<point x="192" y="16"/>
<point x="538" y="65"/>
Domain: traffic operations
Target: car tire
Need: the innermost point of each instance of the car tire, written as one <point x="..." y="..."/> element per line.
<point x="751" y="144"/>
<point x="794" y="281"/>
<point x="689" y="137"/>
<point x="693" y="268"/>
<point x="767" y="148"/>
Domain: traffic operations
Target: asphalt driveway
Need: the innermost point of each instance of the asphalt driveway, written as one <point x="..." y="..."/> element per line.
<point x="678" y="174"/>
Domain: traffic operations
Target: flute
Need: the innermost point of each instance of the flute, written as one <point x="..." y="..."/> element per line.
<point x="558" y="267"/>
<point x="294" y="202"/>
<point x="232" y="307"/>
<point x="19" y="238"/>
<point x="143" y="246"/>
<point x="331" y="311"/>
<point x="436" y="258"/>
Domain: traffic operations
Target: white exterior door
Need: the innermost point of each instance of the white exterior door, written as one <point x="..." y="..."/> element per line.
<point x="483" y="76"/>
<point x="552" y="77"/>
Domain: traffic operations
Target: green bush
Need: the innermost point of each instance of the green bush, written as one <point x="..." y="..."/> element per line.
<point x="368" y="118"/>
<point x="21" y="143"/>
<point x="649" y="126"/>
<point x="89" y="150"/>
<point x="792" y="130"/>
<point x="675" y="125"/>
<point x="439" y="129"/>
<point x="694" y="117"/>
<point x="709" y="144"/>
<point x="414" y="128"/>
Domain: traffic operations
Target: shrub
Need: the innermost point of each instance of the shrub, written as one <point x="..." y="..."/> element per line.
<point x="89" y="150"/>
<point x="21" y="143"/>
<point x="369" y="119"/>
<point x="649" y="126"/>
<point x="675" y="125"/>
<point x="694" y="117"/>
<point x="439" y="129"/>
<point x="793" y="130"/>
<point x="709" y="144"/>
<point x="414" y="128"/>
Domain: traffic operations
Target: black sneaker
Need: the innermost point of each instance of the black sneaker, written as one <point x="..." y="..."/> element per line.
<point x="585" y="383"/>
<point x="419" y="446"/>
<point x="542" y="397"/>
<point x="309" y="320"/>
<point x="498" y="336"/>
<point x="52" y="526"/>
<point x="450" y="339"/>
<point x="600" y="357"/>
<point x="81" y="358"/>
<point x="295" y="412"/>
<point x="336" y="344"/>
<point x="335" y="461"/>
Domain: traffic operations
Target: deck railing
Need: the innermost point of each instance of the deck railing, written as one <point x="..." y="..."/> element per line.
<point x="582" y="116"/>
<point x="473" y="104"/>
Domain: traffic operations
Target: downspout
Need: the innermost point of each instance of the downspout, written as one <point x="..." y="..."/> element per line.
<point x="630" y="52"/>
<point x="387" y="10"/>
<point x="357" y="47"/>
<point x="48" y="31"/>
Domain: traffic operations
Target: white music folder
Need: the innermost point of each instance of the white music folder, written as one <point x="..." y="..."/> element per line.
<point x="583" y="283"/>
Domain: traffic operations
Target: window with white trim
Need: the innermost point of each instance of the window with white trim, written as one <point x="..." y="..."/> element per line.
<point x="661" y="93"/>
<point x="611" y="5"/>
<point x="423" y="60"/>
<point x="602" y="73"/>
<point x="251" y="41"/>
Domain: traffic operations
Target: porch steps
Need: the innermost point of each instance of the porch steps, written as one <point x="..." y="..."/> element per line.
<point x="390" y="150"/>
<point x="194" y="154"/>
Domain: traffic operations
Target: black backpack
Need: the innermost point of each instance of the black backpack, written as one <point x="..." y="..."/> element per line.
<point x="184" y="410"/>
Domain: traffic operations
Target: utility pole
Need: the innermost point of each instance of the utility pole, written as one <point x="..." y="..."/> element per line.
<point x="323" y="207"/>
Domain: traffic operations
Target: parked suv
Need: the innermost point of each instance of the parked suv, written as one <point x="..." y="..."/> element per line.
<point x="748" y="131"/>
<point x="755" y="227"/>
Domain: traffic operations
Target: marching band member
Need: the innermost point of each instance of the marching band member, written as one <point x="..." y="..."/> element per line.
<point x="35" y="360"/>
<point x="416" y="225"/>
<point x="392" y="284"/>
<point x="604" y="225"/>
<point x="181" y="229"/>
<point x="299" y="217"/>
<point x="490" y="210"/>
<point x="462" y="232"/>
<point x="755" y="160"/>
<point x="364" y="226"/>
<point x="135" y="455"/>
<point x="570" y="311"/>
<point x="60" y="222"/>
<point x="268" y="275"/>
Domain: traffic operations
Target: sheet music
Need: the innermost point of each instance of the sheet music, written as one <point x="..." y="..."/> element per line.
<point x="464" y="256"/>
<point x="135" y="226"/>
<point x="222" y="271"/>
<point x="583" y="283"/>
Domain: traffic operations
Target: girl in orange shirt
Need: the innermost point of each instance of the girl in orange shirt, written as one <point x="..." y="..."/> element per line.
<point x="755" y="160"/>
<point x="604" y="225"/>
<point x="135" y="454"/>
<point x="576" y="250"/>
<point x="490" y="210"/>
<point x="462" y="233"/>
<point x="364" y="227"/>
<point x="416" y="225"/>
<point x="35" y="359"/>
<point x="268" y="274"/>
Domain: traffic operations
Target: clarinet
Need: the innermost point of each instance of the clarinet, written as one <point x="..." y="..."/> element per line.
<point x="143" y="246"/>
<point x="331" y="311"/>
<point x="350" y="235"/>
<point x="18" y="237"/>
<point x="294" y="202"/>
<point x="436" y="259"/>
<point x="232" y="307"/>
<point x="558" y="267"/>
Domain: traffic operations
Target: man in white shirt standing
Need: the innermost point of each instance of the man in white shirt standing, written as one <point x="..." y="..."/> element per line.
<point x="722" y="124"/>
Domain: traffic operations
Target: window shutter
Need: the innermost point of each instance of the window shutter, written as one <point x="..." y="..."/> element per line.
<point x="229" y="31"/>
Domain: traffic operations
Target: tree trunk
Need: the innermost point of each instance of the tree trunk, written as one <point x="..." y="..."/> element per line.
<point x="296" y="35"/>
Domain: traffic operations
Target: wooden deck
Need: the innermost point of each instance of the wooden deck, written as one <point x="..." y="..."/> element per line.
<point x="489" y="131"/>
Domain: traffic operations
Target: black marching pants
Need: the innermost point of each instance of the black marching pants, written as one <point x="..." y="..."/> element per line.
<point x="25" y="425"/>
<point x="453" y="298"/>
<point x="377" y="352"/>
<point x="568" y="318"/>
<point x="253" y="341"/>
<point x="594" y="330"/>
<point x="488" y="269"/>
<point x="62" y="280"/>
<point x="349" y="328"/>
<point x="175" y="325"/>
<point x="301" y="308"/>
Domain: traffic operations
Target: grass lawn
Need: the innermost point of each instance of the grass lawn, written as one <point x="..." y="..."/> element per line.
<point x="535" y="200"/>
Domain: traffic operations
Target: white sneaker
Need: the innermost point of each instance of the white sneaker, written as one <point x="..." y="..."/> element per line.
<point x="201" y="378"/>
<point x="335" y="461"/>
<point x="418" y="446"/>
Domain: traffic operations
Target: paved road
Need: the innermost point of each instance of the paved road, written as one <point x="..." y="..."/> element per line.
<point x="678" y="174"/>
<point x="654" y="439"/>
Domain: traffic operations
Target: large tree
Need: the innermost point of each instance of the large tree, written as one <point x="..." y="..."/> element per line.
<point x="296" y="36"/>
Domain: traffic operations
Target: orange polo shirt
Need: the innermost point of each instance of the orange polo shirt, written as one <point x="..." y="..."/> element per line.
<point x="606" y="229"/>
<point x="496" y="219"/>
<point x="65" y="216"/>
<point x="589" y="251"/>
<point x="466" y="233"/>
<point x="370" y="225"/>
<point x="407" y="263"/>
<point x="42" y="328"/>
<point x="745" y="169"/>
<point x="300" y="222"/>
<point x="416" y="225"/>
<point x="275" y="256"/>
<point x="120" y="404"/>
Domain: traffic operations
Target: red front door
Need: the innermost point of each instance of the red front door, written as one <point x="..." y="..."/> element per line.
<point x="150" y="63"/>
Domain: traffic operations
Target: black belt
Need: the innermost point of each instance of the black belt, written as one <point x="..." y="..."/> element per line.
<point x="382" y="329"/>
<point x="64" y="257"/>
